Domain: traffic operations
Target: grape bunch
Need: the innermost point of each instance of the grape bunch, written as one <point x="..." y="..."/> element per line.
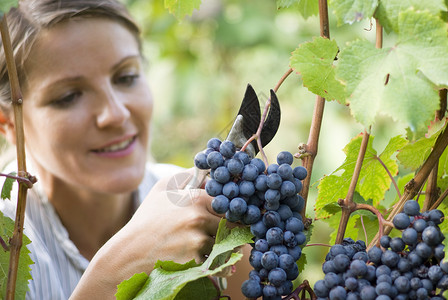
<point x="267" y="200"/>
<point x="410" y="266"/>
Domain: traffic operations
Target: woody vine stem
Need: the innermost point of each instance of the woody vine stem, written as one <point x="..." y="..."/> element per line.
<point x="15" y="243"/>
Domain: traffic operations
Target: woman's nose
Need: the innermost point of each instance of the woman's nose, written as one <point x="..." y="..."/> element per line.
<point x="113" y="112"/>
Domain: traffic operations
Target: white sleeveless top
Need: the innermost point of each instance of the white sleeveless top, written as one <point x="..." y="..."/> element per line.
<point x="58" y="264"/>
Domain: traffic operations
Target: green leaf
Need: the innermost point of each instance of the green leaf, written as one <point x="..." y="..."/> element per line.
<point x="5" y="6"/>
<point x="128" y="289"/>
<point x="307" y="8"/>
<point x="350" y="231"/>
<point x="388" y="11"/>
<point x="400" y="81"/>
<point x="350" y="11"/>
<point x="202" y="288"/>
<point x="7" y="187"/>
<point x="23" y="275"/>
<point x="414" y="154"/>
<point x="181" y="8"/>
<point x="373" y="179"/>
<point x="168" y="278"/>
<point x="314" y="61"/>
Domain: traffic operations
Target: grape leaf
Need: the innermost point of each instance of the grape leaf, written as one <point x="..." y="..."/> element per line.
<point x="168" y="278"/>
<point x="5" y="6"/>
<point x="202" y="288"/>
<point x="414" y="154"/>
<point x="181" y="8"/>
<point x="388" y="11"/>
<point x="314" y="61"/>
<point x="373" y="180"/>
<point x="128" y="289"/>
<point x="350" y="230"/>
<point x="398" y="81"/>
<point x="350" y="11"/>
<point x="7" y="187"/>
<point x="307" y="8"/>
<point x="23" y="273"/>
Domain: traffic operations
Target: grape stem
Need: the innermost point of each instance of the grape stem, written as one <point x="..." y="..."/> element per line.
<point x="28" y="180"/>
<point x="16" y="97"/>
<point x="318" y="244"/>
<point x="304" y="287"/>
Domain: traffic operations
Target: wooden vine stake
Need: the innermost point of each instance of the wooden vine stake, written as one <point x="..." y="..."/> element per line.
<point x="16" y="97"/>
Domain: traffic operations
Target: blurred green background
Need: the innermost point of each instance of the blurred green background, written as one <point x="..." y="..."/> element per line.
<point x="199" y="68"/>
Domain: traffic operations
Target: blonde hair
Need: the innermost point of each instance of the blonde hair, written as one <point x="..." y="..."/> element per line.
<point x="32" y="16"/>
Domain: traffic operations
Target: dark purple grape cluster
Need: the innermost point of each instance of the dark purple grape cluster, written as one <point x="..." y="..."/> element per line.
<point x="266" y="199"/>
<point x="408" y="267"/>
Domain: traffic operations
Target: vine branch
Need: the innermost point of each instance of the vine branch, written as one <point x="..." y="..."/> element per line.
<point x="16" y="97"/>
<point x="347" y="205"/>
<point x="316" y="123"/>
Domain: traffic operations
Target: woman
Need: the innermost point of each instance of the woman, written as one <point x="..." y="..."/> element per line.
<point x="87" y="108"/>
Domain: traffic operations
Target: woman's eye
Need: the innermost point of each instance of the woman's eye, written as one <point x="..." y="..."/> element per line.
<point x="66" y="100"/>
<point x="128" y="79"/>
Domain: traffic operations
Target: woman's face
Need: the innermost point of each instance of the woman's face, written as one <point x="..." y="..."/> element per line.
<point x="87" y="106"/>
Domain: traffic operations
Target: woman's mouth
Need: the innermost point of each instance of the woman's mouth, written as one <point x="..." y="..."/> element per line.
<point x="119" y="149"/>
<point x="116" y="147"/>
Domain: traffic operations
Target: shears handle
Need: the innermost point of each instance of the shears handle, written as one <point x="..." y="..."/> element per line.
<point x="197" y="180"/>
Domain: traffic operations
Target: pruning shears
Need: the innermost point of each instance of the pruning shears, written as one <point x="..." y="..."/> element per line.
<point x="245" y="126"/>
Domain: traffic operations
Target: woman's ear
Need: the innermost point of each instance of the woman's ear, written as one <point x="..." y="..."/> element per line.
<point x="7" y="128"/>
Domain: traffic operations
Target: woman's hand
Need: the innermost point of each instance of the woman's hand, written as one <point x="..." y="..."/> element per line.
<point x="179" y="224"/>
<point x="171" y="224"/>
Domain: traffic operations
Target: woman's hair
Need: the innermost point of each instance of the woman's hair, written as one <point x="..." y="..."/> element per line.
<point x="32" y="16"/>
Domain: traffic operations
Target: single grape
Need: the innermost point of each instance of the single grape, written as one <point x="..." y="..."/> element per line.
<point x="230" y="189"/>
<point x="274" y="181"/>
<point x="285" y="157"/>
<point x="259" y="164"/>
<point x="397" y="244"/>
<point x="431" y="236"/>
<point x="338" y="293"/>
<point x="285" y="212"/>
<point x="287" y="189"/>
<point x="411" y="208"/>
<point x="409" y="236"/>
<point x="300" y="173"/>
<point x="246" y="188"/>
<point x="222" y="175"/>
<point x="227" y="149"/>
<point x="274" y="236"/>
<point x="269" y="260"/>
<point x="261" y="183"/>
<point x="235" y="166"/>
<point x="277" y="276"/>
<point x="252" y="215"/>
<point x="285" y="171"/>
<point x="220" y="204"/>
<point x="251" y="289"/>
<point x="320" y="289"/>
<point x="243" y="156"/>
<point x="215" y="159"/>
<point x="272" y="169"/>
<point x="200" y="161"/>
<point x="401" y="221"/>
<point x="213" y="188"/>
<point x="250" y="172"/>
<point x="214" y="143"/>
